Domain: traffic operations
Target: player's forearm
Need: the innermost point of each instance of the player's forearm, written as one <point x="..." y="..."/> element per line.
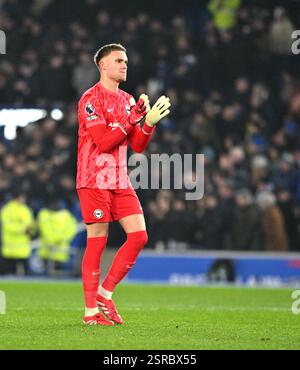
<point x="107" y="139"/>
<point x="140" y="137"/>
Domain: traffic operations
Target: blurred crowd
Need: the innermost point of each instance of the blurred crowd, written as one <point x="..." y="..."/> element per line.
<point x="235" y="90"/>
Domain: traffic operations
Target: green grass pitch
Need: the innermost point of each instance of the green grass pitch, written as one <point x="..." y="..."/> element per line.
<point x="48" y="315"/>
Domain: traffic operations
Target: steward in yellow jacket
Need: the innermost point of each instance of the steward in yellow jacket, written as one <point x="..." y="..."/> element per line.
<point x="17" y="228"/>
<point x="57" y="228"/>
<point x="224" y="13"/>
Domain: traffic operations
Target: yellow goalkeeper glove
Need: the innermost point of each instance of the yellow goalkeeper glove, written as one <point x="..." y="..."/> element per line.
<point x="158" y="111"/>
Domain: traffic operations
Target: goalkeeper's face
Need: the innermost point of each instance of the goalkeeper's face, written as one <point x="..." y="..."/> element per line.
<point x="114" y="66"/>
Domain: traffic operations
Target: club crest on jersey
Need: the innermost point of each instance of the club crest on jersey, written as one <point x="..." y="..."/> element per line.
<point x="89" y="108"/>
<point x="127" y="109"/>
<point x="98" y="213"/>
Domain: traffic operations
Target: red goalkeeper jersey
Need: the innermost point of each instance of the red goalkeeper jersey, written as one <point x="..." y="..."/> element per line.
<point x="103" y="135"/>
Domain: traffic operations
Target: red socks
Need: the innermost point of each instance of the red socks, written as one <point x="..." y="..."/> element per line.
<point x="122" y="263"/>
<point x="91" y="269"/>
<point x="125" y="259"/>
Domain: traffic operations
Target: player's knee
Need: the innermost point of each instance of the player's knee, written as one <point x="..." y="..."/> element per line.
<point x="139" y="238"/>
<point x="97" y="230"/>
<point x="144" y="238"/>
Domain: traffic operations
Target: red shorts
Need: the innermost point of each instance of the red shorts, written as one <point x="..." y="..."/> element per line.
<point x="108" y="205"/>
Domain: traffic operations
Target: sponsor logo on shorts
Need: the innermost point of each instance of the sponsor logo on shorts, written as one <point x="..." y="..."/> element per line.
<point x="98" y="213"/>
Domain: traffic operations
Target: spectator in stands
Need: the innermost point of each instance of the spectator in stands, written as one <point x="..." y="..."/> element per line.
<point x="84" y="74"/>
<point x="260" y="171"/>
<point x="286" y="176"/>
<point x="179" y="225"/>
<point x="285" y="204"/>
<point x="272" y="222"/>
<point x="212" y="224"/>
<point x="226" y="209"/>
<point x="157" y="212"/>
<point x="245" y="231"/>
<point x="280" y="40"/>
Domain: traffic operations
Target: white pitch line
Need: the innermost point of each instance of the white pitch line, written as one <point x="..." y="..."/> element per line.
<point x="172" y="308"/>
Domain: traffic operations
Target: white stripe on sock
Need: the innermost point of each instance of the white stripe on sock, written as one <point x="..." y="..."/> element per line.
<point x="104" y="293"/>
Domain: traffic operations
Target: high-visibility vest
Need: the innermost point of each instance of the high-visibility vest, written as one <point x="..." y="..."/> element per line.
<point x="56" y="231"/>
<point x="224" y="13"/>
<point x="16" y="222"/>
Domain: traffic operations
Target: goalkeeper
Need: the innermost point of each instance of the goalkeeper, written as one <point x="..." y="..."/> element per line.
<point x="109" y="120"/>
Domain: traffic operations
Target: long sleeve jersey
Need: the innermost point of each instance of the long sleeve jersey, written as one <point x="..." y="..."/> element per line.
<point x="103" y="135"/>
